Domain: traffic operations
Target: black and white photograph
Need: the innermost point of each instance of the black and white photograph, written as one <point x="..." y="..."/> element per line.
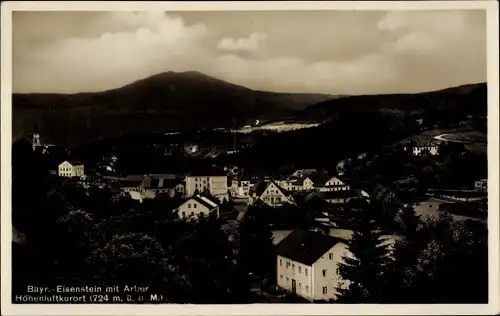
<point x="263" y="157"/>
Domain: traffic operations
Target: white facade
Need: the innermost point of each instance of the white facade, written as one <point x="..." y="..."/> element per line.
<point x="272" y="196"/>
<point x="216" y="185"/>
<point x="195" y="206"/>
<point x="68" y="169"/>
<point x="334" y="184"/>
<point x="418" y="150"/>
<point x="241" y="189"/>
<point x="318" y="281"/>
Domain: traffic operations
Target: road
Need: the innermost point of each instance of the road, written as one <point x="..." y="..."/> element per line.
<point x="441" y="138"/>
<point x="241" y="207"/>
<point x="430" y="207"/>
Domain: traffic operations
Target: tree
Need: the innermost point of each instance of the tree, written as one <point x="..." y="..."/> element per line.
<point x="425" y="268"/>
<point x="134" y="259"/>
<point x="364" y="269"/>
<point x="207" y="260"/>
<point x="256" y="248"/>
<point x="73" y="239"/>
<point x="402" y="275"/>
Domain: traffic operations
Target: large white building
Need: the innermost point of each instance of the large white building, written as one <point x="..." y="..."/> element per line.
<point x="215" y="184"/>
<point x="307" y="264"/>
<point x="196" y="206"/>
<point x="71" y="168"/>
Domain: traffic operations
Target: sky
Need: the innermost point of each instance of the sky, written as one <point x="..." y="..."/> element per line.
<point x="333" y="52"/>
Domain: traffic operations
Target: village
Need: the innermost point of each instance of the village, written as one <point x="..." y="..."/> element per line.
<point x="307" y="254"/>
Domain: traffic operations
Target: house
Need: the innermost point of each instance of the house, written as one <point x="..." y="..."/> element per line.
<point x="307" y="264"/>
<point x="481" y="185"/>
<point x="214" y="183"/>
<point x="244" y="187"/>
<point x="240" y="189"/>
<point x="91" y="181"/>
<point x="324" y="182"/>
<point x="340" y="197"/>
<point x="298" y="181"/>
<point x="304" y="173"/>
<point x="417" y="148"/>
<point x="197" y="205"/>
<point x="160" y="185"/>
<point x="270" y="193"/>
<point x="71" y="168"/>
<point x="150" y="186"/>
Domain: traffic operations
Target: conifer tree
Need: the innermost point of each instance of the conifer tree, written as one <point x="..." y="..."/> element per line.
<point x="364" y="266"/>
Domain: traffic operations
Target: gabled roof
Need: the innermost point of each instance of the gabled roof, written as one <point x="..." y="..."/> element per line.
<point x="203" y="201"/>
<point x="260" y="187"/>
<point x="305" y="246"/>
<point x="304" y="172"/>
<point x="320" y="179"/>
<point x="73" y="162"/>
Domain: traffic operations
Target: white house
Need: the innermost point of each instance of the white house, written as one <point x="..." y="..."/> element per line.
<point x="270" y="193"/>
<point x="215" y="184"/>
<point x="71" y="168"/>
<point x="323" y="182"/>
<point x="417" y="148"/>
<point x="241" y="189"/>
<point x="197" y="205"/>
<point x="307" y="264"/>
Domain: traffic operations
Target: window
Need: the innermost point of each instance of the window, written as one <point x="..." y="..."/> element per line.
<point x="287" y="279"/>
<point x="281" y="276"/>
<point x="281" y="263"/>
<point x="192" y="213"/>
<point x="189" y="205"/>
<point x="325" y="290"/>
<point x="293" y="267"/>
<point x="300" y="285"/>
<point x="324" y="272"/>
<point x="305" y="270"/>
<point x="183" y="214"/>
<point x="300" y="269"/>
<point x="287" y="264"/>
<point x="194" y="205"/>
<point x="331" y="256"/>
<point x="337" y="271"/>
<point x="307" y="288"/>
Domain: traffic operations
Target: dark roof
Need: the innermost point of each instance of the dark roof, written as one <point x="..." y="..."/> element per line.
<point x="198" y="199"/>
<point x="339" y="194"/>
<point x="169" y="183"/>
<point x="129" y="183"/>
<point x="320" y="179"/>
<point x="260" y="187"/>
<point x="74" y="162"/>
<point x="305" y="246"/>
